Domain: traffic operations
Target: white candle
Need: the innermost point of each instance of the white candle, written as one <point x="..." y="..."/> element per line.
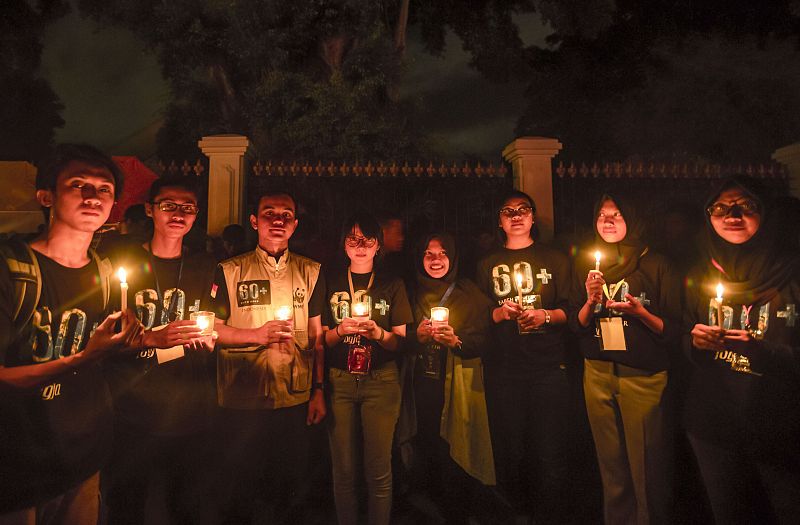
<point x="204" y="321"/>
<point x="123" y="288"/>
<point x="439" y="316"/>
<point x="283" y="313"/>
<point x="720" y="317"/>
<point x="518" y="277"/>
<point x="597" y="261"/>
<point x="361" y="310"/>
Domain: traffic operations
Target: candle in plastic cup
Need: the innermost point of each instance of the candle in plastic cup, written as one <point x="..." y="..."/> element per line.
<point x="283" y="313"/>
<point x="204" y="321"/>
<point x="439" y="316"/>
<point x="361" y="311"/>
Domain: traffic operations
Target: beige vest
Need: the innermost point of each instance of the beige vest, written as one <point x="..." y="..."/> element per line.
<point x="267" y="376"/>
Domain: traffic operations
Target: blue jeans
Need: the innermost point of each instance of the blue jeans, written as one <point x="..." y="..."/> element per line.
<point x="364" y="412"/>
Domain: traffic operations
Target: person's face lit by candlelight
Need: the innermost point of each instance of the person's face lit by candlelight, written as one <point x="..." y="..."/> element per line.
<point x="435" y="259"/>
<point x="361" y="250"/>
<point x="610" y="223"/>
<point x="516" y="217"/>
<point x="735" y="216"/>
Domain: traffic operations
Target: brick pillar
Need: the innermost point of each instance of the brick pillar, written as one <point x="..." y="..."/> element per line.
<point x="790" y="157"/>
<point x="531" y="158"/>
<point x="226" y="180"/>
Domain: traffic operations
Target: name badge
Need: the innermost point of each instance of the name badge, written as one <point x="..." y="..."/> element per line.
<point x="612" y="334"/>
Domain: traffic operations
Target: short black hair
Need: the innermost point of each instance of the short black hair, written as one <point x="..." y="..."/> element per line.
<point x="366" y="222"/>
<point x="517" y="194"/>
<point x="63" y="154"/>
<point x="272" y="192"/>
<point x="173" y="181"/>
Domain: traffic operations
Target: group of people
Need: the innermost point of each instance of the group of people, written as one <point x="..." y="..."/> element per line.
<point x="464" y="384"/>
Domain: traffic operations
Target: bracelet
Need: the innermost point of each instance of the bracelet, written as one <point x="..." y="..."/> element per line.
<point x="383" y="334"/>
<point x="337" y="331"/>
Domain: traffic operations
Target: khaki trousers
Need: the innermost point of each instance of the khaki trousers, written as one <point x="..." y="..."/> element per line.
<point x="628" y="416"/>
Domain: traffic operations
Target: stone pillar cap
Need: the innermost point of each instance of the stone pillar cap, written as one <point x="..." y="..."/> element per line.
<point x="544" y="146"/>
<point x="228" y="143"/>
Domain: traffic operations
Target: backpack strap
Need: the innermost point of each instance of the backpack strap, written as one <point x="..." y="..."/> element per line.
<point x="24" y="271"/>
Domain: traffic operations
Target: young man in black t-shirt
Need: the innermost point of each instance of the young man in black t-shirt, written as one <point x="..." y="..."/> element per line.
<point x="163" y="395"/>
<point x="55" y="410"/>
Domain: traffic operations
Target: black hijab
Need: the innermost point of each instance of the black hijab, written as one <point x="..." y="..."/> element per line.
<point x="429" y="290"/>
<point x="755" y="270"/>
<point x="620" y="259"/>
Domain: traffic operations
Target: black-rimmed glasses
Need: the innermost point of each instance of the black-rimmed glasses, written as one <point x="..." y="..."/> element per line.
<point x="745" y="207"/>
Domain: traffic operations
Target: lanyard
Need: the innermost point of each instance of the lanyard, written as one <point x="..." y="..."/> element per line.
<point x="350" y="282"/>
<point x="173" y="298"/>
<point x="446" y="295"/>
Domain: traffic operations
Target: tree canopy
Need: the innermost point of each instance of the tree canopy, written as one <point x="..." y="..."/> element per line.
<point x="30" y="112"/>
<point x="663" y="79"/>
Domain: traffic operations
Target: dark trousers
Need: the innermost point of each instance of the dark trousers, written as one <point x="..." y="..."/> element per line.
<point x="532" y="419"/>
<point x="264" y="458"/>
<point x="743" y="490"/>
<point x="144" y="465"/>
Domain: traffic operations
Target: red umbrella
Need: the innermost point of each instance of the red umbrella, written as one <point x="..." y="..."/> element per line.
<point x="138" y="179"/>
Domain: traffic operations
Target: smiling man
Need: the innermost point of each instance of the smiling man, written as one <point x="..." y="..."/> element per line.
<point x="55" y="411"/>
<point x="269" y="369"/>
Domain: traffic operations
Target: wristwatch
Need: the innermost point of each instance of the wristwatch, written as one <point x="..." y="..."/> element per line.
<point x="546" y="317"/>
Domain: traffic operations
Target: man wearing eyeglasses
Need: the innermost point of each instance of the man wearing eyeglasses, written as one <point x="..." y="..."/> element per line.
<point x="270" y="368"/>
<point x="163" y="395"/>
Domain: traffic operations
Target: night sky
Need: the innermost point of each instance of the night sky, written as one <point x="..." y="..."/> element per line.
<point x="113" y="92"/>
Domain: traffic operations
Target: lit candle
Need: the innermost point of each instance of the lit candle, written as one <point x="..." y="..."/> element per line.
<point x="361" y="311"/>
<point x="204" y="321"/>
<point x="518" y="277"/>
<point x="123" y="288"/>
<point x="283" y="313"/>
<point x="720" y="317"/>
<point x="439" y="316"/>
<point x="597" y="261"/>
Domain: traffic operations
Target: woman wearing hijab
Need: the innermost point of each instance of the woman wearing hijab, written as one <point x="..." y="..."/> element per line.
<point x="452" y="427"/>
<point x="529" y="385"/>
<point x="364" y="329"/>
<point x="627" y="317"/>
<point x="743" y="402"/>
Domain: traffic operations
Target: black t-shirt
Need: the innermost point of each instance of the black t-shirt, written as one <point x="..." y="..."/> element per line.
<point x="755" y="412"/>
<point x="52" y="437"/>
<point x="388" y="308"/>
<point x="546" y="273"/>
<point x="177" y="396"/>
<point x="654" y="281"/>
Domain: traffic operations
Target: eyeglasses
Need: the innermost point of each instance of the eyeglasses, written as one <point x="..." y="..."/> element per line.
<point x="355" y="241"/>
<point x="745" y="207"/>
<point x="523" y="211"/>
<point x="188" y="209"/>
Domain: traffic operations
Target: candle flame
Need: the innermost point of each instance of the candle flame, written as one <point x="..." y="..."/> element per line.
<point x="597" y="257"/>
<point x="122" y="274"/>
<point x="518" y="277"/>
<point x="202" y="322"/>
<point x="439" y="314"/>
<point x="360" y="309"/>
<point x="720" y="289"/>
<point x="283" y="313"/>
